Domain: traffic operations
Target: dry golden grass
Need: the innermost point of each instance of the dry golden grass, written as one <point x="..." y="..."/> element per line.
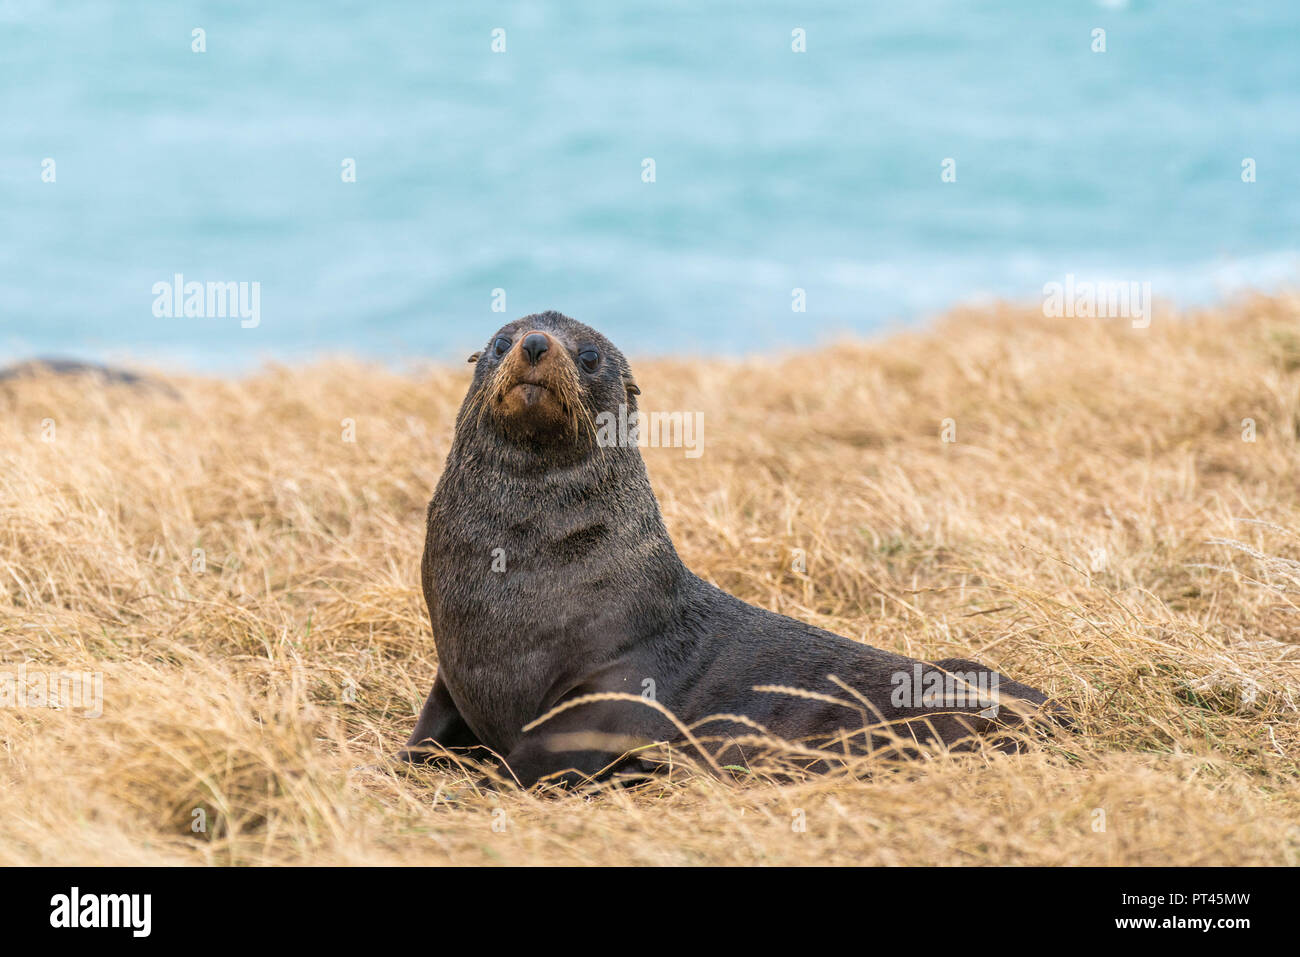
<point x="1076" y="535"/>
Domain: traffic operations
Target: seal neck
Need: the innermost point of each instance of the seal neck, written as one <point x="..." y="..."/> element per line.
<point x="606" y="483"/>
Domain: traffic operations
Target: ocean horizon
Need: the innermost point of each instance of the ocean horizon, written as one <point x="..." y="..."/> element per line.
<point x="398" y="181"/>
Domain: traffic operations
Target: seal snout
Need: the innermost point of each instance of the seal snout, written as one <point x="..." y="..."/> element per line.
<point x="534" y="365"/>
<point x="535" y="388"/>
<point x="534" y="346"/>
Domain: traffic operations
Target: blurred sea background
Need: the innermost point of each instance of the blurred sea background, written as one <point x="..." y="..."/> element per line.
<point x="522" y="170"/>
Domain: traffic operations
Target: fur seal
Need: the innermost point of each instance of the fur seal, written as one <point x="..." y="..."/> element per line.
<point x="554" y="590"/>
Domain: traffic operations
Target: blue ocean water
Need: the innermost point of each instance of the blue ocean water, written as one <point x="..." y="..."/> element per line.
<point x="522" y="170"/>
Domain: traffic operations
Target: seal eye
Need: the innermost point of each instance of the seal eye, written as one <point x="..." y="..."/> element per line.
<point x="589" y="358"/>
<point x="500" y="346"/>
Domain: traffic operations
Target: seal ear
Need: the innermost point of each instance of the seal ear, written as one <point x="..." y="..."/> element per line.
<point x="474" y="356"/>
<point x="632" y="387"/>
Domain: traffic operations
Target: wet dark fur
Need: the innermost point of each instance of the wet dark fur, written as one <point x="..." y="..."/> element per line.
<point x="594" y="599"/>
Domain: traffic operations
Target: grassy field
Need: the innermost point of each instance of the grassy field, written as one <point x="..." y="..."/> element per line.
<point x="1116" y="522"/>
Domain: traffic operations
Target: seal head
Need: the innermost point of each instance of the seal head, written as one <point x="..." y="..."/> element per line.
<point x="541" y="381"/>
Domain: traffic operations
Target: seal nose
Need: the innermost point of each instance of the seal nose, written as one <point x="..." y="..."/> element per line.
<point x="534" y="345"/>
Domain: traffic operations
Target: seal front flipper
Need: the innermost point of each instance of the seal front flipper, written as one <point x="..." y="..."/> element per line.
<point x="440" y="728"/>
